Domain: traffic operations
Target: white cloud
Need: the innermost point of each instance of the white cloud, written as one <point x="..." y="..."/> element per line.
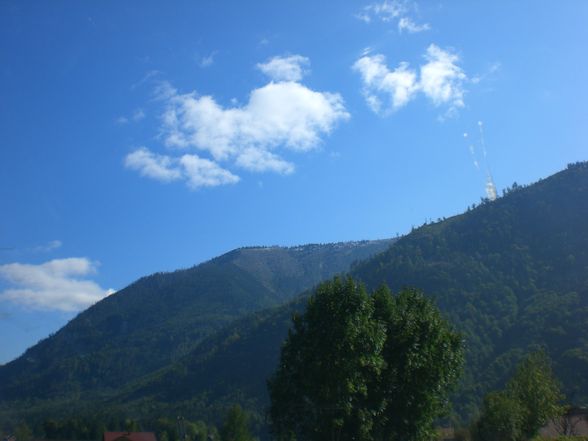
<point x="363" y="16"/>
<point x="490" y="71"/>
<point x="48" y="247"/>
<point x="164" y="91"/>
<point x="285" y="115"/>
<point x="387" y="10"/>
<point x="208" y="60"/>
<point x="399" y="84"/>
<point x="195" y="171"/>
<point x="137" y="116"/>
<point x="291" y="68"/>
<point x="159" y="167"/>
<point x="393" y="10"/>
<point x="408" y="25"/>
<point x="260" y="160"/>
<point x="59" y="284"/>
<point x="441" y="80"/>
<point x="201" y="172"/>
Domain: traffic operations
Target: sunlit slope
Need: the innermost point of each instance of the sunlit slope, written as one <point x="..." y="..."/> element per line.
<point x="161" y="317"/>
<point x="511" y="274"/>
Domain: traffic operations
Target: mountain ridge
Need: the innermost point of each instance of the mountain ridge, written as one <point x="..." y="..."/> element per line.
<point x="511" y="274"/>
<point x="509" y="291"/>
<point x="104" y="347"/>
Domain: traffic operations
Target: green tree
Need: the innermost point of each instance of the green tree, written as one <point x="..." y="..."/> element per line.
<point x="538" y="391"/>
<point x="320" y="390"/>
<point x="236" y="426"/>
<point x="423" y="356"/>
<point x="196" y="431"/>
<point x="530" y="400"/>
<point x="356" y="367"/>
<point x="501" y="419"/>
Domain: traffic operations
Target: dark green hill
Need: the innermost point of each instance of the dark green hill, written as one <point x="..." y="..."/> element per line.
<point x="511" y="274"/>
<point x="159" y="318"/>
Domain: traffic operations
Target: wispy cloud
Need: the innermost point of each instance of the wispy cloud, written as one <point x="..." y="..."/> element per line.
<point x="393" y="11"/>
<point x="149" y="76"/>
<point x="195" y="171"/>
<point x="48" y="247"/>
<point x="136" y="116"/>
<point x="406" y="24"/>
<point x="158" y="167"/>
<point x="283" y="115"/>
<point x="208" y="60"/>
<point x="440" y="79"/>
<point x="490" y="72"/>
<point x="291" y="68"/>
<point x="59" y="284"/>
<point x="387" y="10"/>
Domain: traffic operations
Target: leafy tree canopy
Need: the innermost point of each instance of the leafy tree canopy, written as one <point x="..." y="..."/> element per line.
<point x="235" y="426"/>
<point x="530" y="400"/>
<point x="364" y="367"/>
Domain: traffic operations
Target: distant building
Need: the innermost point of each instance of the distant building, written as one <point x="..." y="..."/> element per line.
<point x="129" y="436"/>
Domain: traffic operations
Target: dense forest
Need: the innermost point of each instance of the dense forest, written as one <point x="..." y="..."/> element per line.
<point x="511" y="275"/>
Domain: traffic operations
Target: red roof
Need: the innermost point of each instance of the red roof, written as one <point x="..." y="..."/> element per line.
<point x="129" y="436"/>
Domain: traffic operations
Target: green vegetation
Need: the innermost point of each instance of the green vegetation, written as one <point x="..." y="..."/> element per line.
<point x="530" y="400"/>
<point x="423" y="361"/>
<point x="236" y="426"/>
<point x="160" y="318"/>
<point x="500" y="273"/>
<point x="510" y="275"/>
<point x="334" y="352"/>
<point x="356" y="367"/>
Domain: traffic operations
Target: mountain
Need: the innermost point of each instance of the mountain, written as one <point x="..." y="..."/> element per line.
<point x="511" y="274"/>
<point x="160" y="318"/>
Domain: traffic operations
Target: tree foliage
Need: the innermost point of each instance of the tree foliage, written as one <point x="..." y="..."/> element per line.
<point x="536" y="388"/>
<point x="360" y="367"/>
<point x="236" y="427"/>
<point x="320" y="390"/>
<point x="530" y="400"/>
<point x="501" y="419"/>
<point x="423" y="359"/>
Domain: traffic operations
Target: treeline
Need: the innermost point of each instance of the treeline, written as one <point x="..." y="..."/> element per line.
<point x="235" y="426"/>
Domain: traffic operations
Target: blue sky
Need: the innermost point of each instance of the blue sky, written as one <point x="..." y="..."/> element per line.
<point x="145" y="136"/>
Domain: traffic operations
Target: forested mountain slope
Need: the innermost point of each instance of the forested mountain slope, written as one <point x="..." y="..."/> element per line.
<point x="510" y="274"/>
<point x="161" y="317"/>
